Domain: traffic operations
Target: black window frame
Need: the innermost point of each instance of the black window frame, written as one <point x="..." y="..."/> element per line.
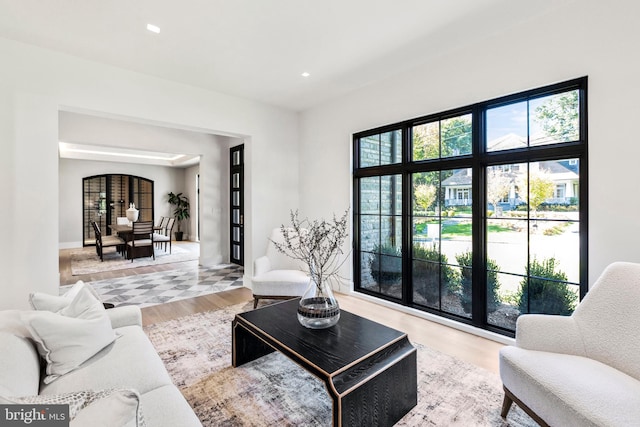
<point x="479" y="160"/>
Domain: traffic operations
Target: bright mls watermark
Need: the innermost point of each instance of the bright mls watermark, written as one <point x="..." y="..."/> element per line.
<point x="34" y="415"/>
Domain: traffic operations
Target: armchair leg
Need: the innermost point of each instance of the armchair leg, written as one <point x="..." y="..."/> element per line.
<point x="255" y="302"/>
<point x="506" y="405"/>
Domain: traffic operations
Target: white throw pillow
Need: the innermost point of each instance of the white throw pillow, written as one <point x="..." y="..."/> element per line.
<point x="55" y="303"/>
<point x="72" y="336"/>
<point x="113" y="407"/>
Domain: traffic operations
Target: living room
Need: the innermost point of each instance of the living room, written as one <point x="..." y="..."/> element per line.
<point x="299" y="156"/>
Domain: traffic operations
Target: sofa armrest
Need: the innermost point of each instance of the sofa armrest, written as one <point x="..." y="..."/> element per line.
<point x="555" y="334"/>
<point x="128" y="315"/>
<point x="261" y="265"/>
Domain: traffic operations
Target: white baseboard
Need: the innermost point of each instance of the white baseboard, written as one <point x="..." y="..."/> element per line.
<point x="69" y="245"/>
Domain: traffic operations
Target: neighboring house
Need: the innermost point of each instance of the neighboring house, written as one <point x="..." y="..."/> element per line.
<point x="563" y="173"/>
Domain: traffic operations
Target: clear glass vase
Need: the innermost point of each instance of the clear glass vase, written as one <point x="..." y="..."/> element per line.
<point x="318" y="307"/>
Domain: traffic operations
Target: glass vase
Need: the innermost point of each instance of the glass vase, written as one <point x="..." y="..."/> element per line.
<point x="318" y="307"/>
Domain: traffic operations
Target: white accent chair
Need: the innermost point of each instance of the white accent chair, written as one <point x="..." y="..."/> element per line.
<point x="276" y="276"/>
<point x="584" y="369"/>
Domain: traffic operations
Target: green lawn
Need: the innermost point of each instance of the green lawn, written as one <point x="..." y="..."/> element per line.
<point x="460" y="229"/>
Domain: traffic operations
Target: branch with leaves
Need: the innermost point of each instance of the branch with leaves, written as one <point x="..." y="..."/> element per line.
<point x="317" y="243"/>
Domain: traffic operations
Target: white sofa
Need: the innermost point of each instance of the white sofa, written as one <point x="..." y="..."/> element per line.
<point x="128" y="362"/>
<point x="584" y="369"/>
<point x="277" y="276"/>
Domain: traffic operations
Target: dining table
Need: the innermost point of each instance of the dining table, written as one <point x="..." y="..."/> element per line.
<point x="124" y="231"/>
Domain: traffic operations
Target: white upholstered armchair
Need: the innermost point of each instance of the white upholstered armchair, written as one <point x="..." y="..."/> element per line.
<point x="581" y="370"/>
<point x="275" y="275"/>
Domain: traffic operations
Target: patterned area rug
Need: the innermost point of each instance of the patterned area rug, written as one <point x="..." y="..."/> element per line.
<point x="272" y="390"/>
<point x="86" y="261"/>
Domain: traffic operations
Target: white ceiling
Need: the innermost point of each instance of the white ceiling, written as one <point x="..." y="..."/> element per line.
<point x="257" y="49"/>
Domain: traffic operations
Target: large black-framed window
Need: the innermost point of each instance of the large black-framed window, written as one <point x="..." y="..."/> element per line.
<point x="106" y="197"/>
<point x="478" y="214"/>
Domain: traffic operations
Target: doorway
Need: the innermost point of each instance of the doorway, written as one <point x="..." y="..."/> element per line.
<point x="236" y="159"/>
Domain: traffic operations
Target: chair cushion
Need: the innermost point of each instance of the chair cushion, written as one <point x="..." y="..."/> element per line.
<point x="112" y="241"/>
<point x="280" y="283"/>
<point x="20" y="367"/>
<point x="567" y="390"/>
<point x="160" y="237"/>
<point x="140" y="242"/>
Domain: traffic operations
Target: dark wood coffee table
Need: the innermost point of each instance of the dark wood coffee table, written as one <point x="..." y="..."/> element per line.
<point x="369" y="369"/>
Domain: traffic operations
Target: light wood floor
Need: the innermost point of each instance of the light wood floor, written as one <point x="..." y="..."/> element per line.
<point x="470" y="348"/>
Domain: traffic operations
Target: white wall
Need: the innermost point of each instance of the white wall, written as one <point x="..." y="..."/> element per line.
<point x="35" y="84"/>
<point x="588" y="37"/>
<point x="71" y="172"/>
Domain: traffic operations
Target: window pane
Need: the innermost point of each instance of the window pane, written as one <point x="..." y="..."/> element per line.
<point x="507" y="127"/>
<point x="501" y="189"/>
<point x="554" y="188"/>
<point x="370" y="151"/>
<point x="554" y="119"/>
<point x="381" y="149"/>
<point x="370" y="195"/>
<point x="456" y="192"/>
<point x="505" y="313"/>
<point x="426" y="283"/>
<point x="426" y="186"/>
<point x="507" y="244"/>
<point x="559" y="240"/>
<point x="426" y="141"/>
<point x="369" y="232"/>
<point x="390" y="147"/>
<point x="456" y="136"/>
<point x="391" y="194"/>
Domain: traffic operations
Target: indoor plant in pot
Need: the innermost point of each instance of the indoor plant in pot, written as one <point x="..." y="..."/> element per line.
<point x="180" y="212"/>
<point x="318" y="244"/>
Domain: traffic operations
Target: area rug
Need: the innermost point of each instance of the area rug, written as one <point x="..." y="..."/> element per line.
<point x="86" y="261"/>
<point x="272" y="390"/>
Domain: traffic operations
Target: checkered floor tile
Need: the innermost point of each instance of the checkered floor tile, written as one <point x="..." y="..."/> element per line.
<point x="157" y="288"/>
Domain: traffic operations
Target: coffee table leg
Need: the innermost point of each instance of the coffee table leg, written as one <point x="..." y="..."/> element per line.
<point x="246" y="346"/>
<point x="383" y="399"/>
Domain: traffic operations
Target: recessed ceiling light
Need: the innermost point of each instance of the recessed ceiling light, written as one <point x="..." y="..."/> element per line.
<point x="305" y="74"/>
<point x="153" y="28"/>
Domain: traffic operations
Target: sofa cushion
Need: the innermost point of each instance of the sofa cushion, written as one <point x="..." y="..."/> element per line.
<point x="165" y="406"/>
<point x="20" y="366"/>
<point x="128" y="362"/>
<point x="55" y="303"/>
<point x="67" y="339"/>
<point x="567" y="390"/>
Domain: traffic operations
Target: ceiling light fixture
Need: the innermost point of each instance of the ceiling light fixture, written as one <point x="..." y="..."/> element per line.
<point x="305" y="74"/>
<point x="153" y="28"/>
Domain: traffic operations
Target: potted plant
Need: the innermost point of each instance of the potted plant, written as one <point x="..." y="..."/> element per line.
<point x="180" y="212"/>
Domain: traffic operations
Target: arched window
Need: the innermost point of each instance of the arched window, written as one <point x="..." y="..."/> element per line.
<point x="106" y="197"/>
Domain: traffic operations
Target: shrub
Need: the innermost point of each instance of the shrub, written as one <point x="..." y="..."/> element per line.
<point x="428" y="266"/>
<point x="386" y="268"/>
<point x="546" y="290"/>
<point x="465" y="261"/>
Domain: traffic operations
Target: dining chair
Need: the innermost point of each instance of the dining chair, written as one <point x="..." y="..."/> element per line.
<point x="106" y="241"/>
<point x="140" y="243"/>
<point x="162" y="224"/>
<point x="165" y="235"/>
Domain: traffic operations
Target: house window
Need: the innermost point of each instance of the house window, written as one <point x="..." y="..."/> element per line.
<point x="477" y="214"/>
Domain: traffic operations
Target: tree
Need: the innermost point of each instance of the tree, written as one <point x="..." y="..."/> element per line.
<point x="426" y="141"/>
<point x="456" y="136"/>
<point x="559" y="116"/>
<point x="498" y="186"/>
<point x="425" y="195"/>
<point x="541" y="188"/>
